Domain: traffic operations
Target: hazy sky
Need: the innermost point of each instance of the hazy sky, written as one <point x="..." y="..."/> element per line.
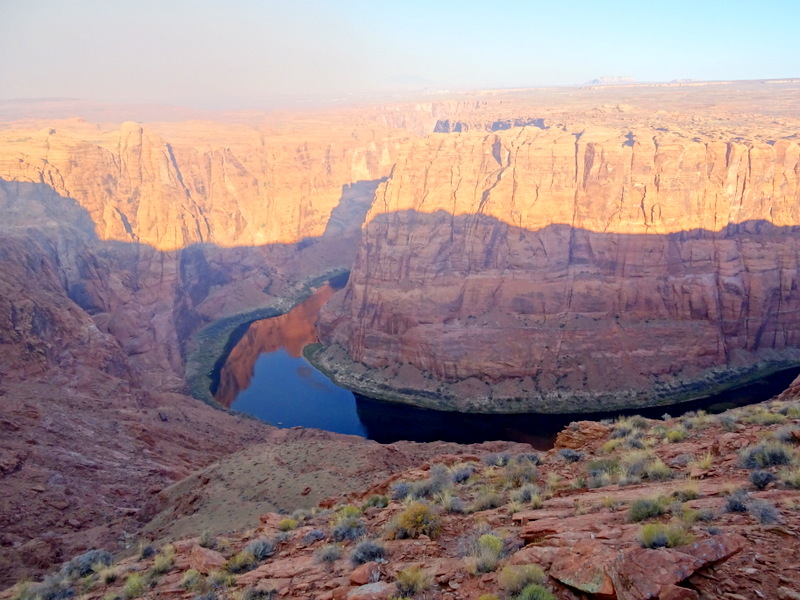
<point x="242" y="53"/>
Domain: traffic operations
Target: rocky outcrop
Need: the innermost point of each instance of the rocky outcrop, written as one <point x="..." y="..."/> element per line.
<point x="572" y="270"/>
<point x="543" y="524"/>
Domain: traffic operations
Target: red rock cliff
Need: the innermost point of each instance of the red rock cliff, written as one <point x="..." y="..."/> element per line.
<point x="551" y="270"/>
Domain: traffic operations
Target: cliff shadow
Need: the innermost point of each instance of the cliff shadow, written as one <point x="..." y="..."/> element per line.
<point x="154" y="301"/>
<point x="503" y="314"/>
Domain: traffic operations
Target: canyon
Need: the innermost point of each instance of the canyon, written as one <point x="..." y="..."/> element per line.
<point x="502" y="245"/>
<point x="522" y="267"/>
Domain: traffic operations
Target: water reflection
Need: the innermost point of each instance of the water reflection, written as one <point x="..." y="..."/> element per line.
<point x="291" y="331"/>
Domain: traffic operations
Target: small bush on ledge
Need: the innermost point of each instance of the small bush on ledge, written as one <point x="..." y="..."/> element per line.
<point x="416" y="520"/>
<point x="658" y="535"/>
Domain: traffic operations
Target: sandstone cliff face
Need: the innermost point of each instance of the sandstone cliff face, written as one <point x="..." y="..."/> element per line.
<point x="573" y="270"/>
<point x="189" y="222"/>
<point x="198" y="182"/>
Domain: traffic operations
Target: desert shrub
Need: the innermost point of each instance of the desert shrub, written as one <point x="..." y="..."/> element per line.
<point x="570" y="455"/>
<point x="514" y="578"/>
<point x="610" y="445"/>
<point x="578" y="483"/>
<point x="135" y="586"/>
<point x="639" y="422"/>
<point x="531" y="457"/>
<point x="460" y="474"/>
<point x="765" y="418"/>
<point x="703" y="462"/>
<point x="313" y="536"/>
<point x="764" y="512"/>
<point x="487" y="553"/>
<point x="427" y="488"/>
<point x="490" y="542"/>
<point x="727" y="422"/>
<point x="488" y="597"/>
<point x="621" y="430"/>
<point x="791" y="477"/>
<point x="535" y="591"/>
<point x="784" y="434"/>
<point x="705" y="514"/>
<point x="347" y="524"/>
<point x="602" y="465"/>
<point x="552" y="481"/>
<point x="686" y="493"/>
<point x="376" y="500"/>
<point x="791" y="410"/>
<point x="659" y="535"/>
<point x="451" y="503"/>
<point x="526" y="493"/>
<point x="736" y="501"/>
<point x="146" y="552"/>
<point x="52" y="587"/>
<point x="600" y="473"/>
<point x="625" y="477"/>
<point x="658" y="470"/>
<point x="611" y="503"/>
<point x="765" y="454"/>
<point x="287" y="524"/>
<point x="517" y="474"/>
<point x="163" y="563"/>
<point x="219" y="579"/>
<point x="646" y="508"/>
<point x="761" y="479"/>
<point x="261" y="549"/>
<point x="302" y="514"/>
<point x="400" y="490"/>
<point x="602" y="479"/>
<point x="367" y="551"/>
<point x="675" y="435"/>
<point x="635" y="462"/>
<point x="699" y="421"/>
<point x="499" y="459"/>
<point x="86" y="563"/>
<point x="329" y="553"/>
<point x="691" y="516"/>
<point x="241" y="562"/>
<point x="416" y="520"/>
<point x="440" y="471"/>
<point x="413" y="580"/>
<point x="257" y="594"/>
<point x="108" y="575"/>
<point x="487" y="498"/>
<point x="635" y="440"/>
<point x="207" y="540"/>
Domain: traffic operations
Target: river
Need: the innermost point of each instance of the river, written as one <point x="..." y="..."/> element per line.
<point x="266" y="376"/>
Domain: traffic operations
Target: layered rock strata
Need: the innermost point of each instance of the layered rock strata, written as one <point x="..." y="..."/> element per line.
<point x="581" y="270"/>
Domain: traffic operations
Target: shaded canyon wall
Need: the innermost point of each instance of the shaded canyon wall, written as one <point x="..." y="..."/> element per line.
<point x="554" y="270"/>
<point x="189" y="222"/>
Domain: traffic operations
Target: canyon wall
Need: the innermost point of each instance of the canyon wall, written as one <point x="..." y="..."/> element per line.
<point x="172" y="185"/>
<point x="552" y="270"/>
<point x="189" y="222"/>
<point x="118" y="243"/>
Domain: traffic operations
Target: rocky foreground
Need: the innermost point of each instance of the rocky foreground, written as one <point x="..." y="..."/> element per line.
<point x="696" y="507"/>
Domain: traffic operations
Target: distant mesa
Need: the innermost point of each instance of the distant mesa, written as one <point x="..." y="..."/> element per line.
<point x="611" y="80"/>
